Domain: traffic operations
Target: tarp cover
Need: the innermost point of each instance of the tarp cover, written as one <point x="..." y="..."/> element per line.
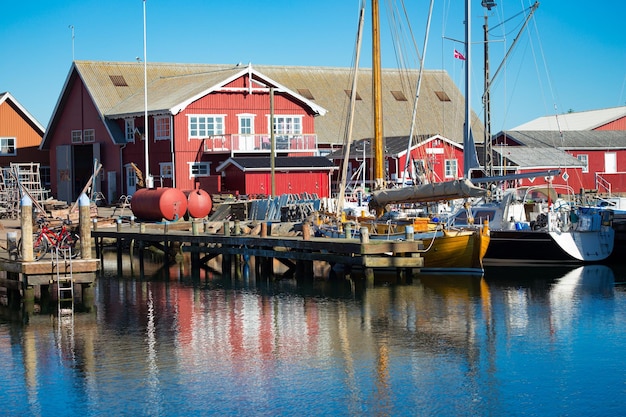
<point x="448" y="190"/>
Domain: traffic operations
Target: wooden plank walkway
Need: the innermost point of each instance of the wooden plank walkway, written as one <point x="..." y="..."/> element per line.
<point x="372" y="254"/>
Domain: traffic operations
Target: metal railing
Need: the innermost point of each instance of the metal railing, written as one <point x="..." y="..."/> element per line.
<point x="237" y="143"/>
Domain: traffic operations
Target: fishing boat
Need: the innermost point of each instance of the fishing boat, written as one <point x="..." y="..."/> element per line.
<point x="539" y="225"/>
<point x="444" y="248"/>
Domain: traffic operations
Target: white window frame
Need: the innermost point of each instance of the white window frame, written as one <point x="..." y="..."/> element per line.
<point x="165" y="169"/>
<point x="161" y="132"/>
<point x="585" y="159"/>
<point x="77" y="136"/>
<point x="129" y="128"/>
<point x="202" y="126"/>
<point x="246" y="130"/>
<point x="5" y="143"/>
<point x="89" y="135"/>
<point x="285" y="124"/>
<point x="202" y="169"/>
<point x="451" y="167"/>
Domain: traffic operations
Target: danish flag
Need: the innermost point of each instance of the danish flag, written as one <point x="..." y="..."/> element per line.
<point x="459" y="55"/>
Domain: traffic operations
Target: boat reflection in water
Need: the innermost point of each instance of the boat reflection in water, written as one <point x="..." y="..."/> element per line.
<point x="170" y="344"/>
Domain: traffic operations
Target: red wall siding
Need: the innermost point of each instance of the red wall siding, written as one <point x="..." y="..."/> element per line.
<point x="296" y="182"/>
<point x="619" y="124"/>
<point x="13" y="124"/>
<point x="79" y="113"/>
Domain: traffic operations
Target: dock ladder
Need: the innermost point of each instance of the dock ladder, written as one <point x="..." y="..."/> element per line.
<point x="62" y="258"/>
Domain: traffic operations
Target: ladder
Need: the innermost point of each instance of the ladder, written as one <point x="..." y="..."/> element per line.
<point x="62" y="258"/>
<point x="64" y="280"/>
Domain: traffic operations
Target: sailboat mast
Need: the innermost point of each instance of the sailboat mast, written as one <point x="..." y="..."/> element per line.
<point x="488" y="155"/>
<point x="467" y="161"/>
<point x="379" y="180"/>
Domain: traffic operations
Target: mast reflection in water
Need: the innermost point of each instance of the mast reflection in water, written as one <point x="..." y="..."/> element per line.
<point x="520" y="341"/>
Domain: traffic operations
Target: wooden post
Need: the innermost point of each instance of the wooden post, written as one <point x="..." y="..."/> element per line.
<point x="12" y="245"/>
<point x="409" y="234"/>
<point x="365" y="235"/>
<point x="348" y="229"/>
<point x="237" y="228"/>
<point x="27" y="228"/>
<point x="264" y="229"/>
<point x="306" y="231"/>
<point x="195" y="228"/>
<point x="83" y="226"/>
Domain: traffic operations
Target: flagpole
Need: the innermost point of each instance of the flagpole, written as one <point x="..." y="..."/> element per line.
<point x="148" y="181"/>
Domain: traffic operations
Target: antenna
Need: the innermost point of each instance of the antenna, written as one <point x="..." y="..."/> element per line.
<point x="72" y="29"/>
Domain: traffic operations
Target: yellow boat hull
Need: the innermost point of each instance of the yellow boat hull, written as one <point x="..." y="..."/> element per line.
<point x="461" y="250"/>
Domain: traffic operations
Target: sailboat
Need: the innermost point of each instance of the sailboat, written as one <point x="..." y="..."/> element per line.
<point x="446" y="249"/>
<point x="538" y="224"/>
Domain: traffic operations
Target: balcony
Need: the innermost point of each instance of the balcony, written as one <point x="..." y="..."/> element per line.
<point x="259" y="143"/>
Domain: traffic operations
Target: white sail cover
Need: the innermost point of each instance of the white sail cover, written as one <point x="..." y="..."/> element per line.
<point x="448" y="190"/>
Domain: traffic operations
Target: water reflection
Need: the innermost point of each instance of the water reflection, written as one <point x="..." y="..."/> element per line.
<point x="166" y="343"/>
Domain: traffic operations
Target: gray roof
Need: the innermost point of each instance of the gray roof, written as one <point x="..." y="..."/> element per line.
<point x="394" y="146"/>
<point x="170" y="86"/>
<point x="535" y="157"/>
<point x="586" y="139"/>
<point x="280" y="162"/>
<point x="585" y="120"/>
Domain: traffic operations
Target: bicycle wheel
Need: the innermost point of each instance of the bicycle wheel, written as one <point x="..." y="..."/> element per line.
<point x="70" y="244"/>
<point x="40" y="247"/>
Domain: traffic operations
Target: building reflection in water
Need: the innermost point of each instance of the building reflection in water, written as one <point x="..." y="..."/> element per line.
<point x="170" y="330"/>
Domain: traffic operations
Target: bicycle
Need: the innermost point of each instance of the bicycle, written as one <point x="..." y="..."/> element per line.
<point x="64" y="239"/>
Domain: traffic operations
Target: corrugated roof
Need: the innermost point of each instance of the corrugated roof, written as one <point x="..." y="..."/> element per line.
<point x="394" y="146"/>
<point x="586" y="139"/>
<point x="535" y="157"/>
<point x="585" y="120"/>
<point x="281" y="162"/>
<point x="172" y="84"/>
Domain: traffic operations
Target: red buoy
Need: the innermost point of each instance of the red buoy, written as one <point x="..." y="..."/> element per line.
<point x="157" y="204"/>
<point x="199" y="203"/>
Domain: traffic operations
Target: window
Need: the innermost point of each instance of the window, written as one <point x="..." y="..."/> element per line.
<point x="7" y="147"/>
<point x="44" y="175"/>
<point x="246" y="124"/>
<point x="77" y="136"/>
<point x="584" y="159"/>
<point x="89" y="136"/>
<point x="165" y="169"/>
<point x="451" y="168"/>
<point x="199" y="169"/>
<point x="132" y="177"/>
<point x="201" y="126"/>
<point x="284" y="125"/>
<point x="162" y="128"/>
<point x="129" y="129"/>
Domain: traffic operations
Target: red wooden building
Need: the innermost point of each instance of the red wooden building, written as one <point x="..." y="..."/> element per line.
<point x="432" y="159"/>
<point x="200" y="115"/>
<point x="249" y="175"/>
<point x="20" y="137"/>
<point x="194" y="125"/>
<point x="596" y="138"/>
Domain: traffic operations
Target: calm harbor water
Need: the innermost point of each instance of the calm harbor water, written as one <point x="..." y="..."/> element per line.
<point x="516" y="342"/>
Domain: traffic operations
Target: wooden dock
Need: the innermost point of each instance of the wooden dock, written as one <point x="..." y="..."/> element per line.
<point x="296" y="252"/>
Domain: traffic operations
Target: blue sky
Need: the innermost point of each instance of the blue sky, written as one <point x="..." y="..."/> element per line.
<point x="571" y="57"/>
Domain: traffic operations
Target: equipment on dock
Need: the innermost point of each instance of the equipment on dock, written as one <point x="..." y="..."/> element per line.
<point x="199" y="203"/>
<point x="156" y="204"/>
